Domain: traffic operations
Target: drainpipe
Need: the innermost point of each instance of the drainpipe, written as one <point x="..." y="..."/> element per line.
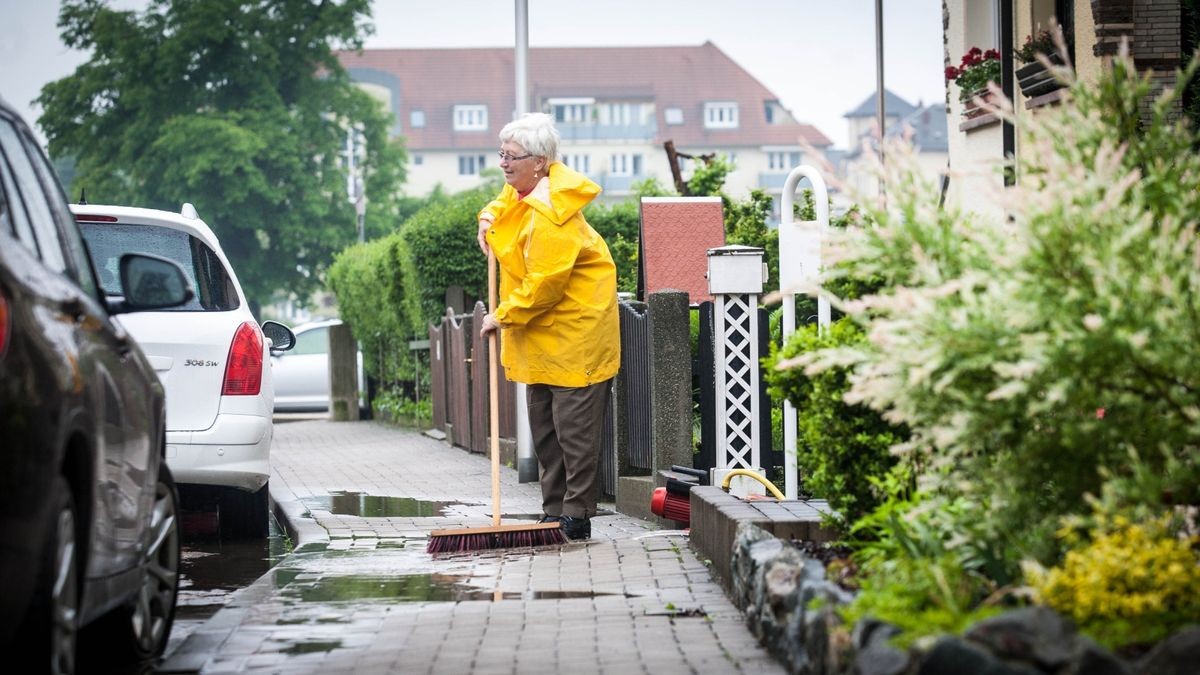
<point x="880" y="111"/>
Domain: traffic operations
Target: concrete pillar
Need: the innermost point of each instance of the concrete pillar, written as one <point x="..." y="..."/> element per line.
<point x="343" y="374"/>
<point x="670" y="379"/>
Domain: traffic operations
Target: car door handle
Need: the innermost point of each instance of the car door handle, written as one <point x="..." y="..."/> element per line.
<point x="72" y="307"/>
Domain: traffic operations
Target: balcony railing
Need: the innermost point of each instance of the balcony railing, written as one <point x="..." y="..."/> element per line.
<point x="573" y="131"/>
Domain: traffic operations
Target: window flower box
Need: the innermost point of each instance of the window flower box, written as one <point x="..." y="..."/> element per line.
<point x="1033" y="77"/>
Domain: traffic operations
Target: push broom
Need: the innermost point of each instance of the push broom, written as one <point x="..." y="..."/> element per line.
<point x="497" y="535"/>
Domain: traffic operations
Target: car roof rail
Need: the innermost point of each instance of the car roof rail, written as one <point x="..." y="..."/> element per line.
<point x="189" y="211"/>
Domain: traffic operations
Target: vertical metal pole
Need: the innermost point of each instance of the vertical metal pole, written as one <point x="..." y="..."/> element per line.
<point x="790" y="469"/>
<point x="1008" y="132"/>
<point x="527" y="466"/>
<point x="880" y="111"/>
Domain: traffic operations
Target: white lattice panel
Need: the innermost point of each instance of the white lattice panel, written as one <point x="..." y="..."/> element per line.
<point x="736" y="325"/>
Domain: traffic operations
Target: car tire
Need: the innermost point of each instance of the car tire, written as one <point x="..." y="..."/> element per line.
<point x="50" y="630"/>
<point x="245" y="515"/>
<point x="138" y="630"/>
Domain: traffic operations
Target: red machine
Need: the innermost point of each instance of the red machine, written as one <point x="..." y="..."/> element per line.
<point x="673" y="501"/>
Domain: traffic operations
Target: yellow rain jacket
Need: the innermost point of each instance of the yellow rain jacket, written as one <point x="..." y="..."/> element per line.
<point x="558" y="284"/>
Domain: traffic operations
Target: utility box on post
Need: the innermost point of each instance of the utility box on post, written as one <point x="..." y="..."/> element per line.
<point x="736" y="275"/>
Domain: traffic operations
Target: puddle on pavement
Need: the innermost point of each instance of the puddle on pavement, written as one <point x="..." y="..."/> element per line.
<point x="211" y="570"/>
<point x="360" y="504"/>
<point x="406" y="588"/>
<point x="312" y="647"/>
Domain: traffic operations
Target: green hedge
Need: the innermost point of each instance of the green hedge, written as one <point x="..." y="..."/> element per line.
<point x="842" y="449"/>
<point x="375" y="284"/>
<point x="445" y="253"/>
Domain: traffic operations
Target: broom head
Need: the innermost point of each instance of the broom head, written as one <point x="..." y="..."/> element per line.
<point x="499" y="536"/>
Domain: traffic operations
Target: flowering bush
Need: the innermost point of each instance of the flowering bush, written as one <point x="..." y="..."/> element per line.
<point x="1038" y="43"/>
<point x="996" y="340"/>
<point x="1133" y="584"/>
<point x="974" y="72"/>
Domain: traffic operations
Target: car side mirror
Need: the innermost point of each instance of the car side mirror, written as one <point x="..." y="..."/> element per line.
<point x="150" y="282"/>
<point x="282" y="338"/>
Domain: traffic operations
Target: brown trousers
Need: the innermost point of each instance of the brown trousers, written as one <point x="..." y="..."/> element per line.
<point x="566" y="425"/>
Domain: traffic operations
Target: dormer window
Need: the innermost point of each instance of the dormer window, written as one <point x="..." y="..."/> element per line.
<point x="416" y="119"/>
<point x="576" y="110"/>
<point x="673" y="116"/>
<point x="721" y="115"/>
<point x="470" y="118"/>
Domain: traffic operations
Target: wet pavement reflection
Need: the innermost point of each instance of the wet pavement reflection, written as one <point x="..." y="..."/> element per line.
<point x="371" y="506"/>
<point x="212" y="570"/>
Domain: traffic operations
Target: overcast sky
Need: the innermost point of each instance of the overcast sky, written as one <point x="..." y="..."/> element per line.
<point x="818" y="56"/>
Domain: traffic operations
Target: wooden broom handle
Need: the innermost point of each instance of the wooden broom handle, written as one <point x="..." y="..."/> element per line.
<point x="494" y="391"/>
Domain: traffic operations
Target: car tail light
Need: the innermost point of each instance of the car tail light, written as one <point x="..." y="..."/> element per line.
<point x="4" y="328"/>
<point x="243" y="368"/>
<point x="89" y="218"/>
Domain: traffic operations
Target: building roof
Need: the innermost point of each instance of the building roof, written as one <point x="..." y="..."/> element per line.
<point x="685" y="77"/>
<point x="676" y="233"/>
<point x="893" y="106"/>
<point x="925" y="127"/>
<point x="928" y="128"/>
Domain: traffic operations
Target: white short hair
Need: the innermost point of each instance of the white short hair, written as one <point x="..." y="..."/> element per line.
<point x="535" y="132"/>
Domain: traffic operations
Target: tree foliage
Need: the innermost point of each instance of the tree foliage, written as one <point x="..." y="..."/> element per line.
<point x="239" y="108"/>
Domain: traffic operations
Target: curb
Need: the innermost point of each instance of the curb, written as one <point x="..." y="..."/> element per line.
<point x="294" y="517"/>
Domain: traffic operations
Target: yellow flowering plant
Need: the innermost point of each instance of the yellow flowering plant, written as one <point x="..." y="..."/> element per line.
<point x="1132" y="584"/>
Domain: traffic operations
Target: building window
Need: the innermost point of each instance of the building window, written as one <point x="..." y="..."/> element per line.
<point x="625" y="164"/>
<point x="577" y="110"/>
<point x="418" y="160"/>
<point x="782" y="160"/>
<point x="573" y="113"/>
<point x="579" y="162"/>
<point x="673" y="116"/>
<point x="470" y="165"/>
<point x="470" y="118"/>
<point x="416" y="119"/>
<point x="721" y="115"/>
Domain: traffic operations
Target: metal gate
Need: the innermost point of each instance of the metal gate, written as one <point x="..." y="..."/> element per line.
<point x="458" y="389"/>
<point x="635" y="369"/>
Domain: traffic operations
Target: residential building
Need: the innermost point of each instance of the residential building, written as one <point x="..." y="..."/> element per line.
<point x="614" y="106"/>
<point x="1093" y="30"/>
<point x="923" y="126"/>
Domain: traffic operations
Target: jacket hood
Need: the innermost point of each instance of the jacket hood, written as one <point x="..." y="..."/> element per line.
<point x="562" y="193"/>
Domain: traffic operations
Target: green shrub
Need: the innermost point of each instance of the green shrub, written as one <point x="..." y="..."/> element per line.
<point x="1027" y="354"/>
<point x="376" y="287"/>
<point x="619" y="224"/>
<point x="445" y="252"/>
<point x="1130" y="584"/>
<point x="841" y="447"/>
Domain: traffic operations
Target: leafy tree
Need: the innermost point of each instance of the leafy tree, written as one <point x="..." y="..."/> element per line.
<point x="240" y="108"/>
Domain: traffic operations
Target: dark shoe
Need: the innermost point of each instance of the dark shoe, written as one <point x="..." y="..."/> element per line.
<point x="549" y="519"/>
<point x="576" y="528"/>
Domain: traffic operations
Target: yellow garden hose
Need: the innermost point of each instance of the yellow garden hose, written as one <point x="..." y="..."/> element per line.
<point x="747" y="472"/>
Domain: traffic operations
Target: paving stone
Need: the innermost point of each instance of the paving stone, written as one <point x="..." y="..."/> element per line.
<point x="535" y="626"/>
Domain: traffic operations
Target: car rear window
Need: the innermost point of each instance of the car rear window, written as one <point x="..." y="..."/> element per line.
<point x="107" y="242"/>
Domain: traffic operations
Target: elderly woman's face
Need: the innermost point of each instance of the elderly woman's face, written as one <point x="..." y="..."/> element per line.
<point x="521" y="169"/>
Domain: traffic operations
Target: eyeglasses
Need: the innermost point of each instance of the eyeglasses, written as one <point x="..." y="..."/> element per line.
<point x="505" y="157"/>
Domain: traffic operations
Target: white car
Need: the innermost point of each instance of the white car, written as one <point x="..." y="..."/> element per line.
<point x="210" y="354"/>
<point x="302" y="374"/>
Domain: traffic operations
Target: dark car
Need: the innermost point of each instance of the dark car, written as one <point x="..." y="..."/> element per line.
<point x="89" y="553"/>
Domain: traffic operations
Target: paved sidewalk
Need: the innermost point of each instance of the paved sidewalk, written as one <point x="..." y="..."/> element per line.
<point x="360" y="595"/>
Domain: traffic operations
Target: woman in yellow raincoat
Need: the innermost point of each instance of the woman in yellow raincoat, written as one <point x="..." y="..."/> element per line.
<point x="557" y="313"/>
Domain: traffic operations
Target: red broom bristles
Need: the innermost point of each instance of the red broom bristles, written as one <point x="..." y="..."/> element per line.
<point x="460" y="543"/>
